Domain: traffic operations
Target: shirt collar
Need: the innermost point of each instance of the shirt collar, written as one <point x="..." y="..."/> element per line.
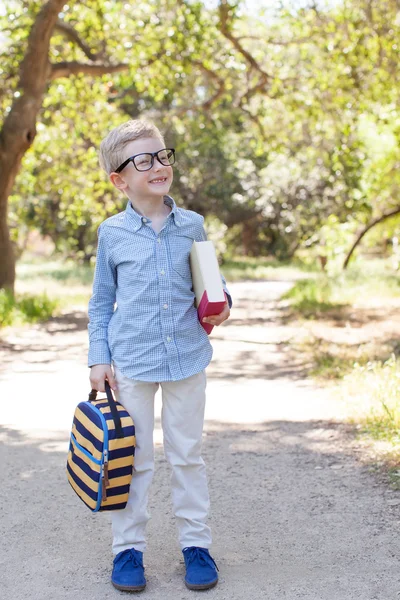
<point x="138" y="219"/>
<point x="174" y="210"/>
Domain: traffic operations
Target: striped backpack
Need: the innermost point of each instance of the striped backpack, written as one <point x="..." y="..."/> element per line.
<point x="101" y="452"/>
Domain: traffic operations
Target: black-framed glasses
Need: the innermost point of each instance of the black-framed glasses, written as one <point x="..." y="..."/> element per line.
<point x="145" y="160"/>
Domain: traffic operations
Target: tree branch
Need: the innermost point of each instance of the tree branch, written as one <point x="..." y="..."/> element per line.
<point x="65" y="69"/>
<point x="70" y="33"/>
<point x="273" y="42"/>
<point x="34" y="66"/>
<point x="258" y="87"/>
<point x="359" y="237"/>
<point x="256" y="121"/>
<point x="219" y="81"/>
<point x="225" y="28"/>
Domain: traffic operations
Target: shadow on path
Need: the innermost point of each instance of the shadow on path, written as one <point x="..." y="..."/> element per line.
<point x="293" y="515"/>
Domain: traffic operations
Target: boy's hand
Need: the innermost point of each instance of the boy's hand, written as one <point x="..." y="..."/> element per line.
<point x="218" y="319"/>
<point x="98" y="374"/>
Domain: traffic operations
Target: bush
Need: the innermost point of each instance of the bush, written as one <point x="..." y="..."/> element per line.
<point x="7" y="308"/>
<point x="312" y="296"/>
<point x="37" y="308"/>
<point x="27" y="308"/>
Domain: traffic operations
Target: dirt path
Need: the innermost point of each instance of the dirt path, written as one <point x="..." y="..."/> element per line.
<point x="294" y="513"/>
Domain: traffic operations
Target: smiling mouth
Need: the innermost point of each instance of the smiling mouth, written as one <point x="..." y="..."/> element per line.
<point x="159" y="180"/>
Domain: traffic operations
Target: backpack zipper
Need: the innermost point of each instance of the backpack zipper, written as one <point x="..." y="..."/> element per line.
<point x="104" y="465"/>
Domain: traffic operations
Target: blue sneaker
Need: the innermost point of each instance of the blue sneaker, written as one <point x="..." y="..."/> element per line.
<point x="128" y="571"/>
<point x="201" y="569"/>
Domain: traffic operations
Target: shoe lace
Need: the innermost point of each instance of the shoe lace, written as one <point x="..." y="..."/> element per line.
<point x="130" y="556"/>
<point x="195" y="553"/>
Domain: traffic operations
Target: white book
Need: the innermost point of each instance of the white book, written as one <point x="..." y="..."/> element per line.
<point x="207" y="283"/>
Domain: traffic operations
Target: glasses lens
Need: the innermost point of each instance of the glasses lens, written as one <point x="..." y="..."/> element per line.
<point x="167" y="157"/>
<point x="143" y="162"/>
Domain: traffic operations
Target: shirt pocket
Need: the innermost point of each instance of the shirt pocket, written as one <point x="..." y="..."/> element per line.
<point x="179" y="251"/>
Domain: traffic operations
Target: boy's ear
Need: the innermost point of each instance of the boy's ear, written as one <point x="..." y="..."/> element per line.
<point x="117" y="181"/>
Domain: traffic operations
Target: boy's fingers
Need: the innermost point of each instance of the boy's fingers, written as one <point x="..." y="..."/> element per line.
<point x="212" y="321"/>
<point x="109" y="375"/>
<point x="112" y="382"/>
<point x="99" y="385"/>
<point x="218" y="319"/>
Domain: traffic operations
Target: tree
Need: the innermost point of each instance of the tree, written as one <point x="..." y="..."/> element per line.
<point x="177" y="76"/>
<point x="19" y="128"/>
<point x="271" y="118"/>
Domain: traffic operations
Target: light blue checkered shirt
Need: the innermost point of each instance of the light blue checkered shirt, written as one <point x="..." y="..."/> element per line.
<point x="153" y="334"/>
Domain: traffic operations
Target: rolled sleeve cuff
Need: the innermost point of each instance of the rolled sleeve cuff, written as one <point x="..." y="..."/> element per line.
<point x="228" y="297"/>
<point x="99" y="354"/>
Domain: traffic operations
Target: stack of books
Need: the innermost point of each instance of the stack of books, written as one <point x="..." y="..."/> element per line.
<point x="207" y="283"/>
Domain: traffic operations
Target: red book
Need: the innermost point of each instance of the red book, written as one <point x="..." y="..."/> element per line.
<point x="207" y="283"/>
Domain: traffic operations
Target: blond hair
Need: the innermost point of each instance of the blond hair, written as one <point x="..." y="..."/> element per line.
<point x="112" y="147"/>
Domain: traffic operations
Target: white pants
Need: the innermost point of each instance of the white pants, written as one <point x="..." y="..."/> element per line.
<point x="182" y="418"/>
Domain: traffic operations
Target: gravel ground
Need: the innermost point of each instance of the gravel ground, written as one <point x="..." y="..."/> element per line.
<point x="295" y="514"/>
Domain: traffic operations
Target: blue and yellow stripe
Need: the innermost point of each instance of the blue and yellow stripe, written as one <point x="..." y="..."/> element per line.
<point x="93" y="433"/>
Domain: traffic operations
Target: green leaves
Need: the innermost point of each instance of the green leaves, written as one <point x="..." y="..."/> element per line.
<point x="284" y="122"/>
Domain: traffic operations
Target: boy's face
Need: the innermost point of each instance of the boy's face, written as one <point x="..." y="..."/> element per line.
<point x="143" y="185"/>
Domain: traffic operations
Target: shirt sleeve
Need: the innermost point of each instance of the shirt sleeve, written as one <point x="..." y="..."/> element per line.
<point x="228" y="296"/>
<point x="101" y="304"/>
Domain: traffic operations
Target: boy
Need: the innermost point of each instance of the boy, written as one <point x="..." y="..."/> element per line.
<point x="152" y="338"/>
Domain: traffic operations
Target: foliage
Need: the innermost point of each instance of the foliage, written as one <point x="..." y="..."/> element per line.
<point x="366" y="282"/>
<point x="36" y="308"/>
<point x="310" y="297"/>
<point x="66" y="272"/>
<point x="375" y="397"/>
<point x="285" y="121"/>
<point x="7" y="306"/>
<point x="25" y="308"/>
<point x="65" y="281"/>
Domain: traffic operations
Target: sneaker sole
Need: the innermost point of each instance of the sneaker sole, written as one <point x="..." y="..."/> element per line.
<point x="128" y="588"/>
<point x="203" y="586"/>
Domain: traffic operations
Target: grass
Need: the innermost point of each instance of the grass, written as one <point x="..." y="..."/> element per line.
<point x="243" y="268"/>
<point x="67" y="284"/>
<point x="367" y="374"/>
<point x="65" y="281"/>
<point x="330" y="360"/>
<point x="371" y="393"/>
<point x="63" y="271"/>
<point x="330" y="366"/>
<point x="71" y="283"/>
<point x="374" y="390"/>
<point x="366" y="283"/>
<point x="367" y="390"/>
<point x="25" y="308"/>
<point x="311" y="297"/>
<point x="43" y="289"/>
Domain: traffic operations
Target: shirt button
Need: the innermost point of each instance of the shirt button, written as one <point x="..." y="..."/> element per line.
<point x="168" y="339"/>
<point x="159" y="240"/>
<point x="144" y="220"/>
<point x="162" y="272"/>
<point x="165" y="305"/>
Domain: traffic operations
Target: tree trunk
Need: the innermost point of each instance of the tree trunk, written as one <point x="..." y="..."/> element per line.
<point x="366" y="229"/>
<point x="19" y="128"/>
<point x="7" y="262"/>
<point x="249" y="236"/>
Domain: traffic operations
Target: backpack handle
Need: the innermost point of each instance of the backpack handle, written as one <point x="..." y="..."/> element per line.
<point x="113" y="408"/>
